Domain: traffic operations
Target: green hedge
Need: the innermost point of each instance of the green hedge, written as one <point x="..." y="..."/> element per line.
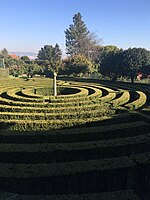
<point x="26" y="125"/>
<point x="4" y="73"/>
<point x="46" y="109"/>
<point x="99" y="112"/>
<point x="118" y="195"/>
<point x="137" y="103"/>
<point x="78" y="176"/>
<point x="125" y="97"/>
<point x="66" y="152"/>
<point x="14" y="100"/>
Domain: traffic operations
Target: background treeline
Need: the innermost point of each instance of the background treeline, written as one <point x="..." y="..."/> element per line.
<point x="84" y="57"/>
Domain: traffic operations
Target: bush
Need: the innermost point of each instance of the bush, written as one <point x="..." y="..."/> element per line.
<point x="76" y="64"/>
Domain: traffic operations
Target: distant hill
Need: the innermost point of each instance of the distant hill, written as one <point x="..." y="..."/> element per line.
<point x="31" y="55"/>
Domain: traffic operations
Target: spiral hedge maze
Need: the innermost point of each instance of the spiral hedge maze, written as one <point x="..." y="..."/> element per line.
<point x="92" y="141"/>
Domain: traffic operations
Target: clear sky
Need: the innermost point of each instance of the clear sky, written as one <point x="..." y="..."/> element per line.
<point x="28" y="25"/>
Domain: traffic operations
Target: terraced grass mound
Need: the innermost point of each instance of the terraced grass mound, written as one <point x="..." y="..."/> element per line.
<point x="91" y="143"/>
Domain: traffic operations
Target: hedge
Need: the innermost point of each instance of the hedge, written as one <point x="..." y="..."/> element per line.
<point x="118" y="195"/>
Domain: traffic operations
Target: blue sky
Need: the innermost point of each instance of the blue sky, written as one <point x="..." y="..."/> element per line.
<point x="28" y="25"/>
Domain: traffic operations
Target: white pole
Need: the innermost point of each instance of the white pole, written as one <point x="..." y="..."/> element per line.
<point x="3" y="63"/>
<point x="54" y="84"/>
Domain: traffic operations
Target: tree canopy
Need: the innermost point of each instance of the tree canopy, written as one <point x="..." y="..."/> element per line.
<point x="79" y="40"/>
<point x="76" y="64"/>
<point x="26" y="59"/>
<point x="50" y="57"/>
<point x="134" y="59"/>
<point x="76" y="35"/>
<point x="4" y="52"/>
<point x="116" y="63"/>
<point x="110" y="62"/>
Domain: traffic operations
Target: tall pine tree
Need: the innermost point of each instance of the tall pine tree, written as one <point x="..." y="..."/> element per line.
<point x="79" y="40"/>
<point x="76" y="36"/>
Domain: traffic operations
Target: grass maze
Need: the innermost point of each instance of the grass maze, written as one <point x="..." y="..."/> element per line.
<point x="93" y="143"/>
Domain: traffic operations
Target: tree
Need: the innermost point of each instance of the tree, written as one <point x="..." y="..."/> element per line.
<point x="4" y="52"/>
<point x="50" y="57"/>
<point x="145" y="70"/>
<point x="79" y="40"/>
<point x="32" y="69"/>
<point x="25" y="59"/>
<point x="76" y="64"/>
<point x="111" y="66"/>
<point x="3" y="57"/>
<point x="76" y="35"/>
<point x="134" y="59"/>
<point x="105" y="52"/>
<point x="29" y="69"/>
<point x="127" y="63"/>
<point x="57" y="53"/>
<point x="109" y="60"/>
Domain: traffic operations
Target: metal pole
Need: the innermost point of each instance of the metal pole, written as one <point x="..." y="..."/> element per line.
<point x="54" y="84"/>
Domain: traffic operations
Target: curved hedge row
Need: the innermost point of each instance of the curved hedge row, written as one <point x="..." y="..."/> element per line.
<point x="123" y="195"/>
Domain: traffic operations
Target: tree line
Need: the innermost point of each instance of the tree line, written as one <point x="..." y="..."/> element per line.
<point x="85" y="56"/>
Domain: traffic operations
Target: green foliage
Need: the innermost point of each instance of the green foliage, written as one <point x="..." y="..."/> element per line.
<point x="2" y="63"/>
<point x="76" y="35"/>
<point x="119" y="195"/>
<point x="134" y="59"/>
<point x="3" y="58"/>
<point x="76" y="64"/>
<point x="24" y="68"/>
<point x="4" y="52"/>
<point x="50" y="57"/>
<point x="145" y="69"/>
<point x="141" y="101"/>
<point x="32" y="69"/>
<point x="86" y="159"/>
<point x="4" y="73"/>
<point x="21" y="66"/>
<point x="107" y="51"/>
<point x="126" y="63"/>
<point x="26" y="59"/>
<point x="48" y="91"/>
<point x="110" y="62"/>
<point x="79" y="40"/>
